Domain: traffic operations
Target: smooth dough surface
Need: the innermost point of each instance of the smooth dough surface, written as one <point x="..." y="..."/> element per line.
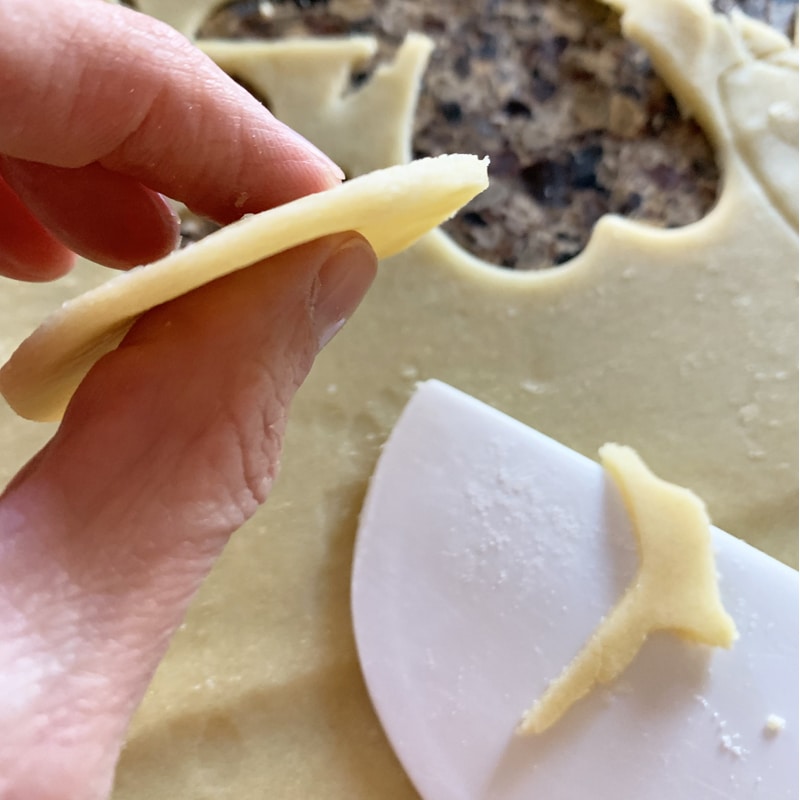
<point x="681" y="343"/>
<point x="391" y="208"/>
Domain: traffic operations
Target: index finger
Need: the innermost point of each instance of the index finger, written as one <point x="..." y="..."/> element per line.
<point x="107" y="84"/>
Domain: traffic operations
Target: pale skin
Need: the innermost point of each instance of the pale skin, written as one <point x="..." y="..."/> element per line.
<point x="173" y="440"/>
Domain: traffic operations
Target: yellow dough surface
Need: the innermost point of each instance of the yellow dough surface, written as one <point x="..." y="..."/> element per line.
<point x="675" y="588"/>
<point x="681" y="343"/>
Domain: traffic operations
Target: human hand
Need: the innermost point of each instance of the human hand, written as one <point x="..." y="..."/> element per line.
<point x="101" y="109"/>
<point x="172" y="440"/>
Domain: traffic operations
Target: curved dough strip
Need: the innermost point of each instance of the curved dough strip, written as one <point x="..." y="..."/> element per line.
<point x="675" y="588"/>
<point x="392" y="208"/>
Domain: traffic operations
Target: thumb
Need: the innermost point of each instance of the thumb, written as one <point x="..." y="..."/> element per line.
<point x="168" y="446"/>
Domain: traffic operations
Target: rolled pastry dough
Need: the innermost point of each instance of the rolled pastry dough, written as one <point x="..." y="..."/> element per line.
<point x="392" y="208"/>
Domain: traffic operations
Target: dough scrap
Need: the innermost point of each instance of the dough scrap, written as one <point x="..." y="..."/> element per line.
<point x="675" y="588"/>
<point x="392" y="208"/>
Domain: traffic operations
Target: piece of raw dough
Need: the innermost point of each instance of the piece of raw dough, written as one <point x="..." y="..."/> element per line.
<point x="391" y="208"/>
<point x="675" y="588"/>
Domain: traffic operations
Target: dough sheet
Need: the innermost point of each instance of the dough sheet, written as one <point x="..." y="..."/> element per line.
<point x="681" y="343"/>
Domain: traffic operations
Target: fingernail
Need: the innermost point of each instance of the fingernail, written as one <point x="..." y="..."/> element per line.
<point x="342" y="282"/>
<point x="334" y="170"/>
<point x="327" y="163"/>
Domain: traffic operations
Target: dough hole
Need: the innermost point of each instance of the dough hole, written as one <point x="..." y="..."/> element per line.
<point x="273" y="19"/>
<point x="282" y="19"/>
<point x="572" y="115"/>
<point x="577" y="126"/>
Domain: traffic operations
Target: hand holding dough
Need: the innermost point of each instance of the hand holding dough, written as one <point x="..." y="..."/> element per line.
<point x="391" y="208"/>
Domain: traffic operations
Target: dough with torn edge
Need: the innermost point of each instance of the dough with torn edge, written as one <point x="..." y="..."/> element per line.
<point x="392" y="208"/>
<point x="675" y="588"/>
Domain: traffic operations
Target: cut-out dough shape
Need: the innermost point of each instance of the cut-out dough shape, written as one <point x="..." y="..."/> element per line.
<point x="681" y="343"/>
<point x="391" y="208"/>
<point x="675" y="588"/>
